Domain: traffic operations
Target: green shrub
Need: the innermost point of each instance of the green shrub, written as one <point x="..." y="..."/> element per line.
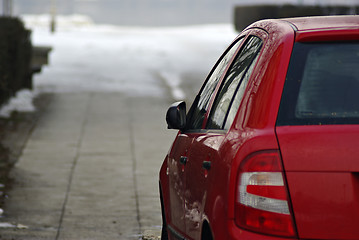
<point x="15" y="57"/>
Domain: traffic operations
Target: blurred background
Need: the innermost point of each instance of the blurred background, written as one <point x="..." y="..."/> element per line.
<point x="153" y="12"/>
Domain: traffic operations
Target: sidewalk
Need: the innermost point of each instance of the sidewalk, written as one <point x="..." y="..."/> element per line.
<point x="90" y="170"/>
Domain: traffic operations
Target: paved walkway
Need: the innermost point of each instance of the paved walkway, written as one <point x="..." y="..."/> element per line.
<point x="90" y="170"/>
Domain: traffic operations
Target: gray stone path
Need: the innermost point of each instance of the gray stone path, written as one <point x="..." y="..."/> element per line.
<point x="90" y="170"/>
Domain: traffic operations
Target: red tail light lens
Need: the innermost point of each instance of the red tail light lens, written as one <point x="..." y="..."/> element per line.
<point x="262" y="203"/>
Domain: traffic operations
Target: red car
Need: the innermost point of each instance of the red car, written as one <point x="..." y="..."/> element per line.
<point x="270" y="147"/>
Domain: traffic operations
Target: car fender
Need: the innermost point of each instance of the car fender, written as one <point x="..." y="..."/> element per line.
<point x="164" y="187"/>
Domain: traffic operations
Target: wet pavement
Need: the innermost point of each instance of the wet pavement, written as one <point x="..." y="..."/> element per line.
<point x="89" y="170"/>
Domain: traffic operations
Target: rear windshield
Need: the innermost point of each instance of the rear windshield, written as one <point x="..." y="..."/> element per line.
<point x="322" y="85"/>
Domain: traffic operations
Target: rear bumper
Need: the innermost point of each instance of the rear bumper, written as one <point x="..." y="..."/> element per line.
<point x="237" y="233"/>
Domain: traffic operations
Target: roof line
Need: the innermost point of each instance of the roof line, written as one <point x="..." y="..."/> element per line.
<point x="295" y="28"/>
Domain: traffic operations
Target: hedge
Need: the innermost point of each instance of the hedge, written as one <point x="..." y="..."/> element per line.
<point x="15" y="57"/>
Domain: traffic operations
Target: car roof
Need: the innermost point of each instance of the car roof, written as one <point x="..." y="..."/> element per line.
<point x="323" y="22"/>
<point x="320" y="28"/>
<point x="304" y="24"/>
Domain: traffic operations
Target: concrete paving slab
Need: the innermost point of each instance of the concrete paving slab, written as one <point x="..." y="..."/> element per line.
<point x="100" y="227"/>
<point x="90" y="170"/>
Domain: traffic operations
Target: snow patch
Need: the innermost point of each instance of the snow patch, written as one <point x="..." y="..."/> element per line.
<point x="9" y="225"/>
<point x="173" y="81"/>
<point x="123" y="59"/>
<point x="87" y="57"/>
<point x="22" y="102"/>
<point x="63" y="22"/>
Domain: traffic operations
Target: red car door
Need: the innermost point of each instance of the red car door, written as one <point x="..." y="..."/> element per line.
<point x="177" y="160"/>
<point x="200" y="176"/>
<point x="179" y="157"/>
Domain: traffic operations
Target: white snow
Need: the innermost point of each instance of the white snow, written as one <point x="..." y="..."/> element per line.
<point x="22" y="102"/>
<point x="10" y="225"/>
<point x="7" y="225"/>
<point x="90" y="57"/>
<point x="109" y="58"/>
<point x="173" y="80"/>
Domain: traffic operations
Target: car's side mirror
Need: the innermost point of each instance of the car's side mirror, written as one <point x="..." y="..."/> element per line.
<point x="176" y="116"/>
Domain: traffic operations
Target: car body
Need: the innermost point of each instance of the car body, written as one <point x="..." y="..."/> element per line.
<point x="269" y="148"/>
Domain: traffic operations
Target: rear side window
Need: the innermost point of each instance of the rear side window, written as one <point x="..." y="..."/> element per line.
<point x="235" y="82"/>
<point x="322" y="85"/>
<point x="201" y="103"/>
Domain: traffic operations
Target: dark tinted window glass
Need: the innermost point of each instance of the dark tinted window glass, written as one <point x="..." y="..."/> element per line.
<point x="239" y="95"/>
<point x="235" y="82"/>
<point x="200" y="105"/>
<point x="322" y="85"/>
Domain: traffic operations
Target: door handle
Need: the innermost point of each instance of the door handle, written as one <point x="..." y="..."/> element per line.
<point x="183" y="160"/>
<point x="206" y="165"/>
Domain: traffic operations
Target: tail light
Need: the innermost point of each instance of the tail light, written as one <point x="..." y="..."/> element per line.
<point x="262" y="203"/>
